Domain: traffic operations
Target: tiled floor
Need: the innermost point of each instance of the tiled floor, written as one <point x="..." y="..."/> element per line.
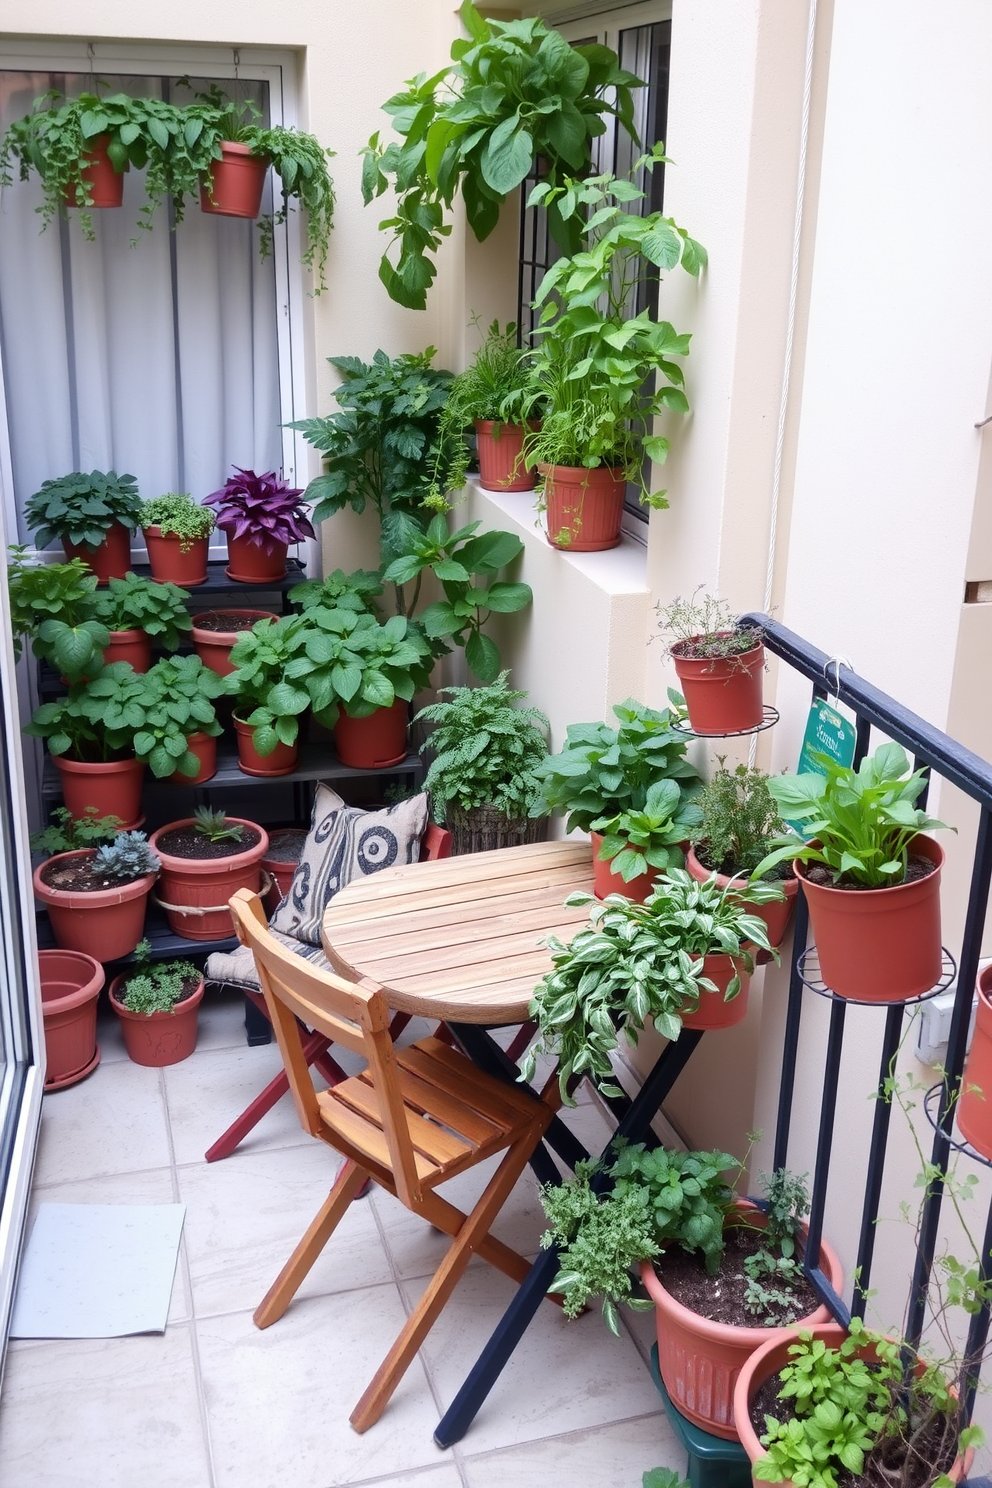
<point x="216" y="1403"/>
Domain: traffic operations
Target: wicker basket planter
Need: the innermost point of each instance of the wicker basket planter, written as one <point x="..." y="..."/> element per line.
<point x="482" y="828"/>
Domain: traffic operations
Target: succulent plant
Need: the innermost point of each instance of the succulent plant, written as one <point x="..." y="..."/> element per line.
<point x="262" y="508"/>
<point x="126" y="858"/>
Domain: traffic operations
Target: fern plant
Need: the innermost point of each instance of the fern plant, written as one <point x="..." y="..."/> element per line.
<point x="485" y="749"/>
<point x="497" y="372"/>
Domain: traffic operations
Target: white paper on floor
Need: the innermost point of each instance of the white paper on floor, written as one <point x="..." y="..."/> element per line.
<point x="98" y="1270"/>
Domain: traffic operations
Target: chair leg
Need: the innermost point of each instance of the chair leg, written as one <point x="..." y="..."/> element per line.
<point x="313" y="1052"/>
<point x="425" y="1314"/>
<point x="445" y="1217"/>
<point x="287" y="1283"/>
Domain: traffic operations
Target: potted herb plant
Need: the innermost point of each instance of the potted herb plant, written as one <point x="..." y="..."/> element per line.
<point x="138" y="612"/>
<point x="638" y="845"/>
<point x="720" y="1271"/>
<point x="739" y="821"/>
<point x="600" y="375"/>
<point x="262" y="515"/>
<point x="481" y="779"/>
<point x="177" y="532"/>
<point x="718" y="662"/>
<point x="682" y="958"/>
<point x="340" y="591"/>
<point x="96" y="896"/>
<point x="80" y="149"/>
<point x="603" y="775"/>
<point x="178" y="741"/>
<point x="870" y="875"/>
<point x="157" y="1003"/>
<point x="205" y="859"/>
<point x="215" y="632"/>
<point x="268" y="704"/>
<point x="52" y="603"/>
<point x="497" y="372"/>
<point x="70" y="986"/>
<point x="93" y="515"/>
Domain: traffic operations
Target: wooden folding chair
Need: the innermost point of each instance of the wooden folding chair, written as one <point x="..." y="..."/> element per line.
<point x="413" y="1119"/>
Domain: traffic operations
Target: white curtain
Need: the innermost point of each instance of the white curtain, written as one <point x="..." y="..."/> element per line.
<point x="158" y="359"/>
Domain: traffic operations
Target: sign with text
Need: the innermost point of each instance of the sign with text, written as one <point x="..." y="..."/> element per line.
<point x="829" y="733"/>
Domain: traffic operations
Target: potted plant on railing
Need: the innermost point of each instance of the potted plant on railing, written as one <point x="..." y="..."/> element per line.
<point x="157" y="1003"/>
<point x="179" y="739"/>
<point x="52" y="603"/>
<point x="721" y="1272"/>
<point x="719" y="663"/>
<point x="682" y="958"/>
<point x="739" y="823"/>
<point x="481" y="779"/>
<point x="205" y="859"/>
<point x="870" y="875"/>
<point x="498" y="372"/>
<point x="95" y="896"/>
<point x="268" y="704"/>
<point x="604" y="773"/>
<point x="139" y="613"/>
<point x="262" y="515"/>
<point x="177" y="532"/>
<point x="599" y="377"/>
<point x="93" y="516"/>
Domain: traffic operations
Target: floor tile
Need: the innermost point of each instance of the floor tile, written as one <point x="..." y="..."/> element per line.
<point x="123" y="1188"/>
<point x="222" y="1020"/>
<point x="246" y="1213"/>
<point x="564" y="1375"/>
<point x="114" y="1412"/>
<point x="278" y="1401"/>
<point x="205" y="1093"/>
<point x="613" y="1456"/>
<point x="113" y="1122"/>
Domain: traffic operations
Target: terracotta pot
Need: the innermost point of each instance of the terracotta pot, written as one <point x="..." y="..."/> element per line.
<point x="501" y="462"/>
<point x="776" y="916"/>
<point x="111" y="560"/>
<point x="129" y="645"/>
<point x="584" y="507"/>
<point x="206" y="883"/>
<point x="170" y="564"/>
<point x="280" y="865"/>
<point x="255" y="563"/>
<point x="70" y="986"/>
<point x="722" y="693"/>
<point x="106" y="185"/>
<point x="713" y="1012"/>
<point x="104" y="923"/>
<point x="238" y="182"/>
<point x="112" y="789"/>
<point x="700" y="1360"/>
<point x="204" y="746"/>
<point x="213" y="647"/>
<point x="374" y="742"/>
<point x="605" y="881"/>
<point x="282" y="760"/>
<point x="158" y="1039"/>
<point x="974" y="1106"/>
<point x="879" y="945"/>
<point x="768" y="1359"/>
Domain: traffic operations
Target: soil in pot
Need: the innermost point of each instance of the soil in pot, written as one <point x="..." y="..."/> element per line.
<point x="238" y="180"/>
<point x="177" y="560"/>
<point x="159" y="1039"/>
<point x="721" y="1298"/>
<point x="111" y="560"/>
<point x="187" y="842"/>
<point x="723" y="694"/>
<point x="255" y="563"/>
<point x="199" y="876"/>
<point x="88" y="912"/>
<point x="215" y="632"/>
<point x="584" y="507"/>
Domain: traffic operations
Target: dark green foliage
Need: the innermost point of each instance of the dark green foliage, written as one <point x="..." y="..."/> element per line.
<point x="68" y="833"/>
<point x="663" y="1477"/>
<point x="155" y="987"/>
<point x="775" y="1270"/>
<point x="300" y="162"/>
<point x="182" y="690"/>
<point x="485" y="749"/>
<point x="261" y="658"/>
<point x="634" y="841"/>
<point x="82" y="508"/>
<point x="126" y="858"/>
<point x="53" y="604"/>
<point x="137" y="603"/>
<point x="739" y="820"/>
<point x="179" y="515"/>
<point x="497" y="372"/>
<point x="515" y="91"/>
<point x="340" y="591"/>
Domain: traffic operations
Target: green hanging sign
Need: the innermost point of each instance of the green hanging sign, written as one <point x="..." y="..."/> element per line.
<point x="829" y="733"/>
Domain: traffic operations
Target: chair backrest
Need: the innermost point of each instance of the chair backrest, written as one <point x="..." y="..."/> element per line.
<point x="354" y="1014"/>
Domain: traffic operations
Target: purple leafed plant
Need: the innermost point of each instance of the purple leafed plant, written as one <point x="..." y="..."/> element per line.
<point x="262" y="508"/>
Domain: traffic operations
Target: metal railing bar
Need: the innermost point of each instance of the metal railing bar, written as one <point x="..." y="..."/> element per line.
<point x="824" y="1142"/>
<point x="790" y="1041"/>
<point x="833" y="1299"/>
<point x="876" y="1159"/>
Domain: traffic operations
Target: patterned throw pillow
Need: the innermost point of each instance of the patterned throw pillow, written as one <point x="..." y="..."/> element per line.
<point x="343" y="844"/>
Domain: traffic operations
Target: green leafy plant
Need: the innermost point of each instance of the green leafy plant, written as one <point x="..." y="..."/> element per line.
<point x="385" y="447"/>
<point x="455" y="559"/>
<point x="340" y="591"/>
<point x="861" y="821"/>
<point x="774" y="1270"/>
<point x="704" y="627"/>
<point x="497" y="372"/>
<point x="663" y="1477"/>
<point x="181" y="690"/>
<point x="52" y="603"/>
<point x="156" y="987"/>
<point x="635" y="961"/>
<point x="265" y="698"/>
<point x="177" y="514"/>
<point x="739" y="820"/>
<point x="126" y="858"/>
<point x="68" y="833"/>
<point x="600" y="375"/>
<point x="98" y="720"/>
<point x="485" y="749"/>
<point x="137" y="603"/>
<point x="345" y="659"/>
<point x="215" y="826"/>
<point x="634" y="841"/>
<point x="603" y="771"/>
<point x="516" y="92"/>
<point x="81" y="508"/>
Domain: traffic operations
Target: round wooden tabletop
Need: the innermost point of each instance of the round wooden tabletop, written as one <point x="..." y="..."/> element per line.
<point x="458" y="939"/>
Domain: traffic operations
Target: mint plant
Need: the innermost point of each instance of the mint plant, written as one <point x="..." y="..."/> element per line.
<point x="99" y="720"/>
<point x="68" y="833"/>
<point x="180" y="691"/>
<point x="81" y="509"/>
<point x="485" y="749"/>
<point x="137" y="603"/>
<point x="340" y="591"/>
<point x="344" y="659"/>
<point x="634" y="841"/>
<point x="265" y="698"/>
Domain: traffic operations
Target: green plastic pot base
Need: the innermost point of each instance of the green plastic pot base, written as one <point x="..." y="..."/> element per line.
<point x="713" y="1462"/>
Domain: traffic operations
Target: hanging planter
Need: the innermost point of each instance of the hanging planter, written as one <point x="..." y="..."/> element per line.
<point x="205" y="859"/>
<point x="777" y="915"/>
<point x="215" y="632"/>
<point x="280" y="862"/>
<point x="89" y="912"/>
<point x="104" y="789"/>
<point x="373" y="742"/>
<point x="723" y="694"/>
<point x="700" y="1360"/>
<point x="101" y="182"/>
<point x="584" y="507"/>
<point x="234" y="185"/>
<point x="282" y="760"/>
<point x="501" y="456"/>
<point x="70" y="987"/>
<point x="204" y="746"/>
<point x="974" y="1107"/>
<point x="158" y="1039"/>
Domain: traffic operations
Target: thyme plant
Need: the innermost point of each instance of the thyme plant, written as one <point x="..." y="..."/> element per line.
<point x="739" y="819"/>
